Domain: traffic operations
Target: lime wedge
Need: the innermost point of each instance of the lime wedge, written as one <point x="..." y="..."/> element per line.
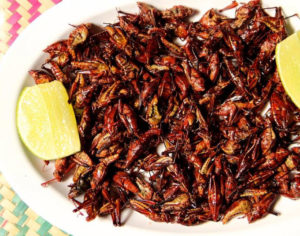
<point x="288" y="64"/>
<point x="46" y="122"/>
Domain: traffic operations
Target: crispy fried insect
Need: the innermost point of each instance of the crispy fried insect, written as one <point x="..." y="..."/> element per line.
<point x="128" y="117"/>
<point x="241" y="206"/>
<point x="135" y="88"/>
<point x="40" y="77"/>
<point x="178" y="12"/>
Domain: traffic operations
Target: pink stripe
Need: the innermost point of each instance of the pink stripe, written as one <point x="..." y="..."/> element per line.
<point x="4" y="223"/>
<point x="34" y="8"/>
<point x="12" y="39"/>
<point x="56" y="1"/>
<point x="13" y="30"/>
<point x="13" y="7"/>
<point x="33" y="2"/>
<point x="35" y="5"/>
<point x="14" y="18"/>
<point x="34" y="16"/>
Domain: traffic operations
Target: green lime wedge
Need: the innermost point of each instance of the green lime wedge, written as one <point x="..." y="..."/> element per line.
<point x="288" y="64"/>
<point x="46" y="122"/>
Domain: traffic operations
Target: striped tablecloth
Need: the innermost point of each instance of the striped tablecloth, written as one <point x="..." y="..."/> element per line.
<point x="16" y="218"/>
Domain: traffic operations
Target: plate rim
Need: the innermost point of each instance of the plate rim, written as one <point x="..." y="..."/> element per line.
<point x="9" y="175"/>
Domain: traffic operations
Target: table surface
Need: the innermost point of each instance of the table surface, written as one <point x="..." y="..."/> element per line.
<point x="16" y="218"/>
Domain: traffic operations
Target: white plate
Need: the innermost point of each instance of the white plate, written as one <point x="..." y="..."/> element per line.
<point x="25" y="172"/>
